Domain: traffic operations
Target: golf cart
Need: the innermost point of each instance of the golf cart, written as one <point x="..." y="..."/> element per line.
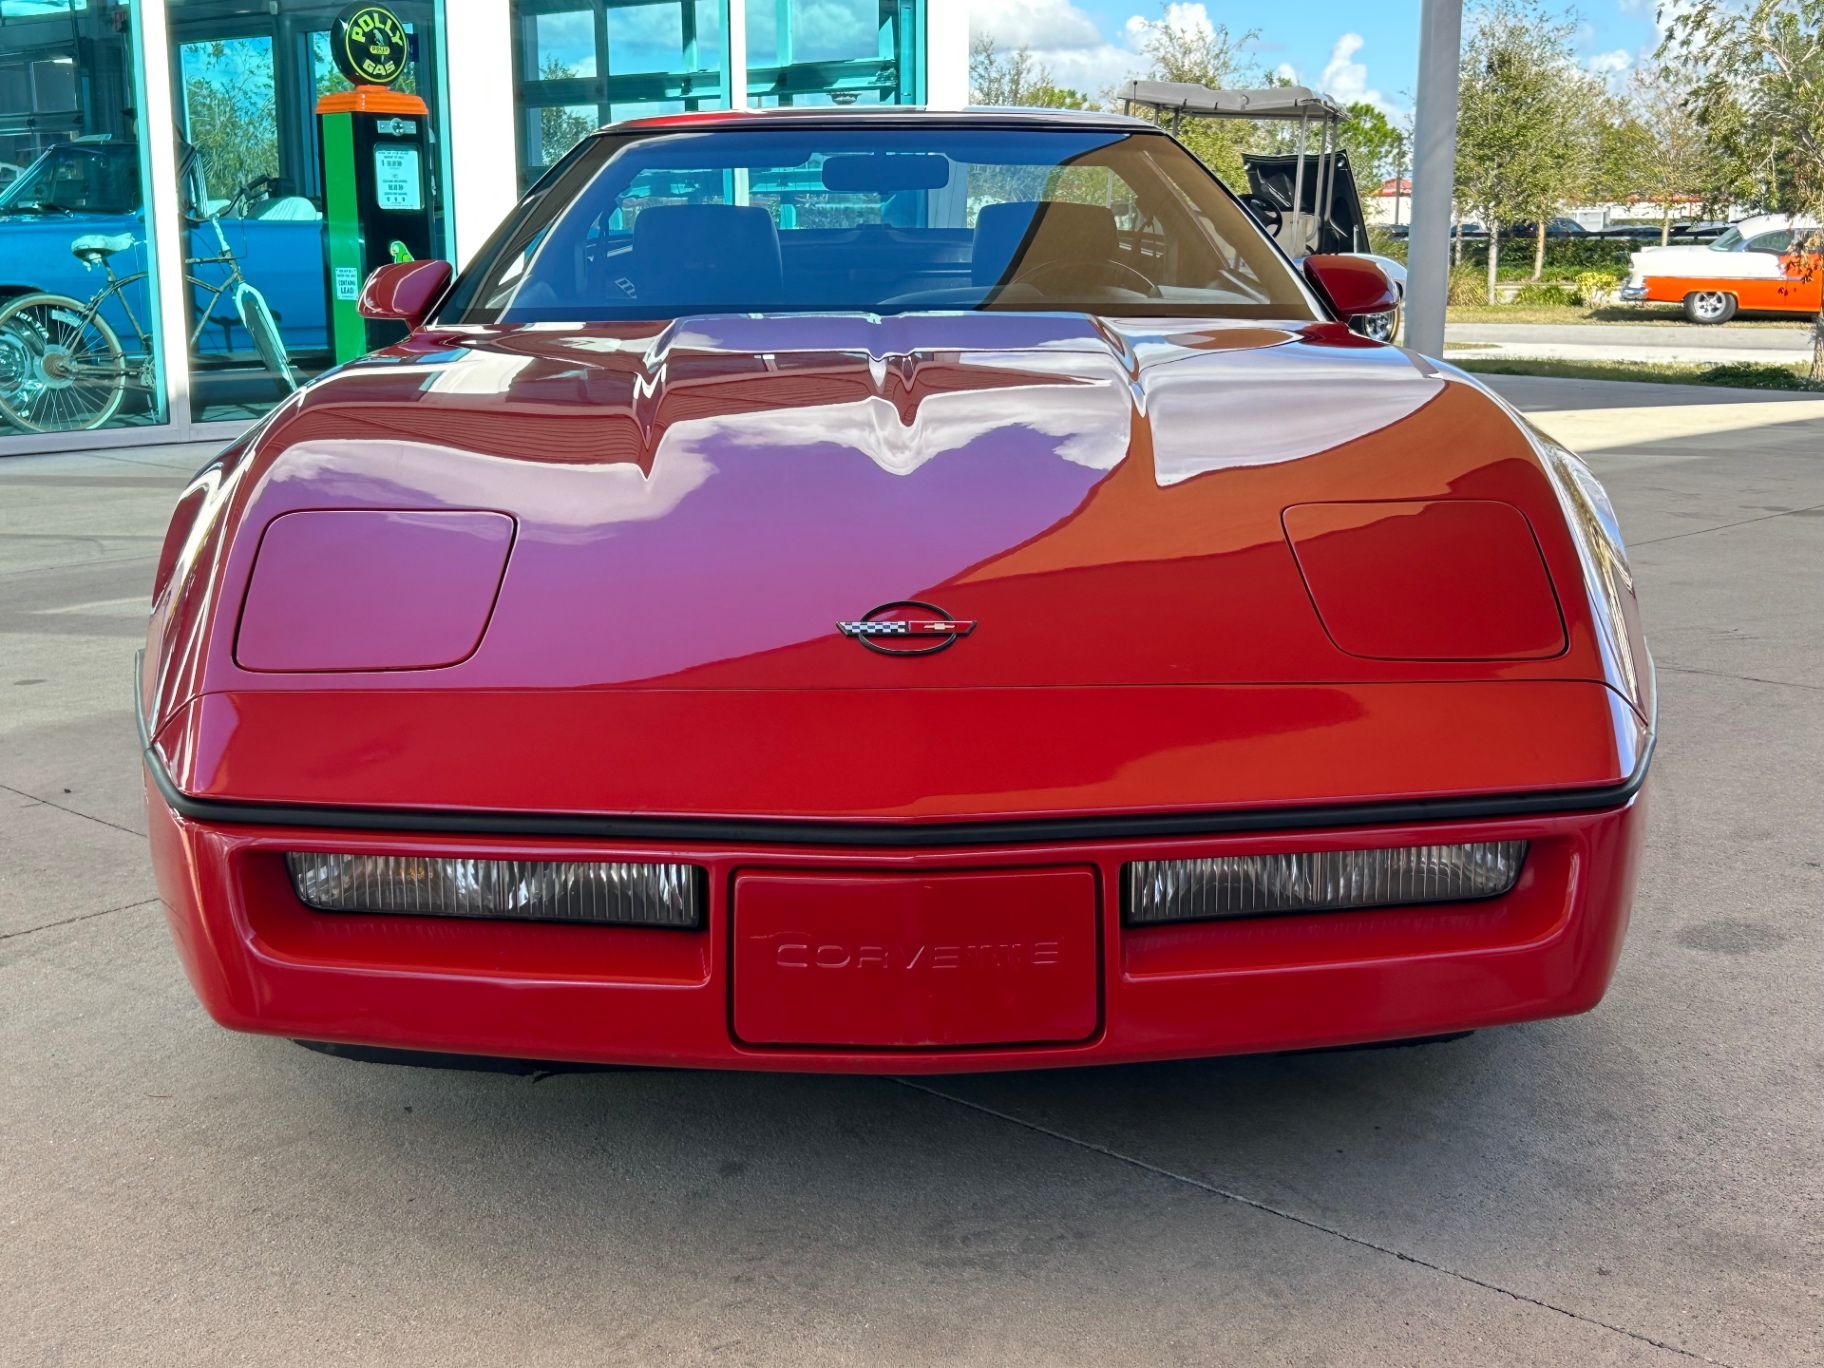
<point x="1306" y="199"/>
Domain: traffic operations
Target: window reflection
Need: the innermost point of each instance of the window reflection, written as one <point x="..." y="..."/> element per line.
<point x="77" y="324"/>
<point x="579" y="64"/>
<point x="246" y="80"/>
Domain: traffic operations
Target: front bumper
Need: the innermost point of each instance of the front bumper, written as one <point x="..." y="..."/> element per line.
<point x="261" y="961"/>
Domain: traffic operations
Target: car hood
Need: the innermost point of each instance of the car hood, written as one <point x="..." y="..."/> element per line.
<point x="699" y="504"/>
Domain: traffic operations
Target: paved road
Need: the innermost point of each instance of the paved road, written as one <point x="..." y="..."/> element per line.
<point x="1685" y="343"/>
<point x="1637" y="1186"/>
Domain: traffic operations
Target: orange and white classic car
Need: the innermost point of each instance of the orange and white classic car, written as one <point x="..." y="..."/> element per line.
<point x="1768" y="263"/>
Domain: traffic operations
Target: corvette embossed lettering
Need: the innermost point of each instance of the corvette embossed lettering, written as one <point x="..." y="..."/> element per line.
<point x="992" y="957"/>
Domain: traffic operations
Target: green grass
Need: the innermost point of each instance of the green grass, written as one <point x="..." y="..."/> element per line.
<point x="1736" y="375"/>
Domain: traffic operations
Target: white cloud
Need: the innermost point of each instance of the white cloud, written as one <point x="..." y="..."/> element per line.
<point x="1193" y="17"/>
<point x="1661" y="12"/>
<point x="1346" y="79"/>
<point x="1042" y="25"/>
<point x="1063" y="39"/>
<point x="1611" y="65"/>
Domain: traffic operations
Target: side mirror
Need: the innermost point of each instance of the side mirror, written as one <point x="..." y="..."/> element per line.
<point x="1351" y="286"/>
<point x="405" y="290"/>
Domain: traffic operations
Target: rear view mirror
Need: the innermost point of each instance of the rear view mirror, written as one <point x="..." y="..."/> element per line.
<point x="887" y="172"/>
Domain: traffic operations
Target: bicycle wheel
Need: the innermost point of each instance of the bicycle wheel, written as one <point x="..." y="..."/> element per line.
<point x="61" y="367"/>
<point x="263" y="328"/>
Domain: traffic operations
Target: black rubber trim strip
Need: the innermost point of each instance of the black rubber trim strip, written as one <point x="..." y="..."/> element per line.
<point x="1026" y="831"/>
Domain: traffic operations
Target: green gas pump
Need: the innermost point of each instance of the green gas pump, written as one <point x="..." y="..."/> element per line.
<point x="375" y="147"/>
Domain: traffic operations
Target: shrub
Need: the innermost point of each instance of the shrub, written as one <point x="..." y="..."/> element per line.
<point x="1468" y="286"/>
<point x="1755" y="375"/>
<point x="1596" y="288"/>
<point x="1550" y="296"/>
<point x="1563" y="256"/>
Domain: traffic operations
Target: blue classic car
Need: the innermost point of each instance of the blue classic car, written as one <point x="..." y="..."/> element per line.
<point x="90" y="189"/>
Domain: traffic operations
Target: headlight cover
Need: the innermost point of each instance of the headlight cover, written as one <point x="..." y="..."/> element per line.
<point x="372" y="589"/>
<point x="1439" y="579"/>
<point x="593" y="892"/>
<point x="1158" y="891"/>
<point x="1597" y="533"/>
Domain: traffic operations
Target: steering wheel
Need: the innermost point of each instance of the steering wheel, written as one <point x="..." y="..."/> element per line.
<point x="1268" y="214"/>
<point x="1085" y="271"/>
<point x="259" y="186"/>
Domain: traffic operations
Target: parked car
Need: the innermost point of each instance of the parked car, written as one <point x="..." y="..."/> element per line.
<point x="1005" y="618"/>
<point x="1753" y="265"/>
<point x="1554" y="228"/>
<point x="90" y="188"/>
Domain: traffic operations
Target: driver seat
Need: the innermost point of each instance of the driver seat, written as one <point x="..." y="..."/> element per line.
<point x="1019" y="235"/>
<point x="91" y="249"/>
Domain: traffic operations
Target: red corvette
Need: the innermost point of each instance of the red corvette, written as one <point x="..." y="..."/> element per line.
<point x="891" y="592"/>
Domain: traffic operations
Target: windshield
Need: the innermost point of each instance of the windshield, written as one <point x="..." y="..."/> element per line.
<point x="79" y="179"/>
<point x="1728" y="242"/>
<point x="880" y="220"/>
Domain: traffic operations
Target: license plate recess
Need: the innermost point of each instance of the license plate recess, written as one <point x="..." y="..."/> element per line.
<point x="915" y="961"/>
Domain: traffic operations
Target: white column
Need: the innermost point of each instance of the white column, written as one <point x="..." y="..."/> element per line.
<point x="946" y="54"/>
<point x="734" y="51"/>
<point x="482" y="126"/>
<point x="1434" y="175"/>
<point x="164" y="207"/>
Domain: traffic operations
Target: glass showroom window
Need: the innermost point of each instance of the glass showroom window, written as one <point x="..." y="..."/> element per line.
<point x="245" y="84"/>
<point x="840" y="52"/>
<point x="78" y="305"/>
<point x="578" y="64"/>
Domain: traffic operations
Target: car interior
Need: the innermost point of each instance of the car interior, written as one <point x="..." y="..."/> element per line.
<point x="882" y="230"/>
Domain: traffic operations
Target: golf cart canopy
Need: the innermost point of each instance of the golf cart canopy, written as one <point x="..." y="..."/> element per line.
<point x="1306" y="199"/>
<point x="1275" y="102"/>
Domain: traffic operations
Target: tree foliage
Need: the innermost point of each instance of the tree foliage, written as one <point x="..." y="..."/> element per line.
<point x="231" y="116"/>
<point x="1376" y="148"/>
<point x="1015" y="78"/>
<point x="1660" y="151"/>
<point x="1527" y="119"/>
<point x="1755" y="70"/>
<point x="1754" y="73"/>
<point x="1183" y="45"/>
<point x="562" y="127"/>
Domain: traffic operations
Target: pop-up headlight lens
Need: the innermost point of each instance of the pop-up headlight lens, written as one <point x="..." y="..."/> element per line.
<point x="1317" y="881"/>
<point x="594" y="892"/>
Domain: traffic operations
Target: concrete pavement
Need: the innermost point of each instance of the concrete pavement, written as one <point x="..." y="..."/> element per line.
<point x="1637" y="1186"/>
<point x="1680" y="343"/>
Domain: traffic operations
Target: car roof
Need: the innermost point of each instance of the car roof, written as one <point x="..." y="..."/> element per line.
<point x="911" y="116"/>
<point x="1768" y="223"/>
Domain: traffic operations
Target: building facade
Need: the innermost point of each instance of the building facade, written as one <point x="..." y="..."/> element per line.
<point x="163" y="243"/>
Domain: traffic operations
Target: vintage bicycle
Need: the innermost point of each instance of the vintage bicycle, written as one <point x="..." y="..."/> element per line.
<point x="62" y="365"/>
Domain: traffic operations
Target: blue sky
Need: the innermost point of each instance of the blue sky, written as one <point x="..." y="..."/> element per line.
<point x="1354" y="49"/>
